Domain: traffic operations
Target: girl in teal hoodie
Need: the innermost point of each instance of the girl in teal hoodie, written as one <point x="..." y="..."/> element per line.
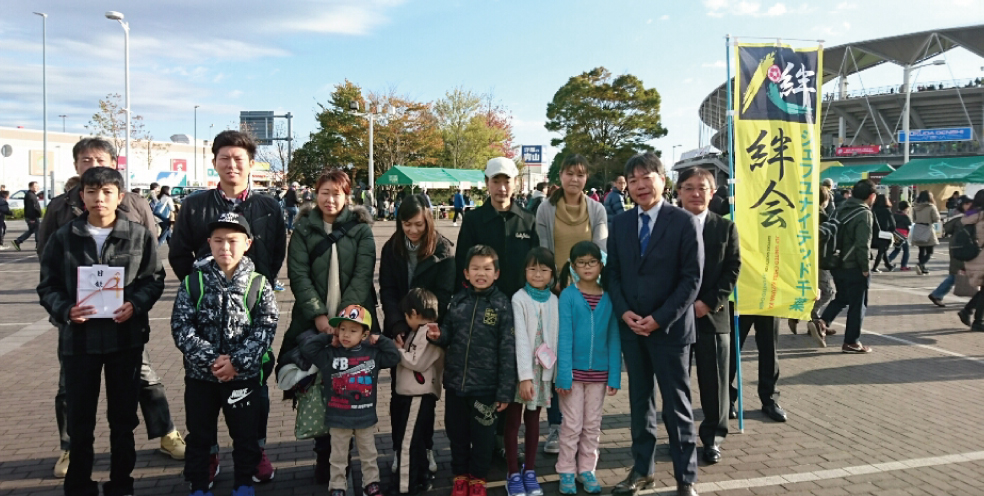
<point x="589" y="365"/>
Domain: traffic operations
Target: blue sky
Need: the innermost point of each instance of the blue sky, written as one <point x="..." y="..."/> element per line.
<point x="287" y="56"/>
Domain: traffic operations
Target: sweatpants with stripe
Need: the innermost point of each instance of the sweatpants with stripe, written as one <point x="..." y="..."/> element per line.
<point x="414" y="415"/>
<point x="240" y="402"/>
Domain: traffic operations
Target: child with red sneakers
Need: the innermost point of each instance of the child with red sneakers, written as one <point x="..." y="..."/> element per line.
<point x="479" y="369"/>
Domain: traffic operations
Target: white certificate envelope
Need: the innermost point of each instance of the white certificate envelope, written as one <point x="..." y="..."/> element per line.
<point x="101" y="286"/>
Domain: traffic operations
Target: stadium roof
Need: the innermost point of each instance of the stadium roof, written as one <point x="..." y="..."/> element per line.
<point x="851" y="58"/>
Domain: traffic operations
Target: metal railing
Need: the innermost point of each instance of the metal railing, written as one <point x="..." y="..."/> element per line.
<point x="917" y="149"/>
<point x="898" y="88"/>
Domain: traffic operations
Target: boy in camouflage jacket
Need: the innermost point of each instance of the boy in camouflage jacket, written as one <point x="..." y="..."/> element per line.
<point x="479" y="369"/>
<point x="223" y="341"/>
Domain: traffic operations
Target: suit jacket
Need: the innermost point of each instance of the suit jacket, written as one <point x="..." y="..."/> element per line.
<point x="722" y="262"/>
<point x="663" y="281"/>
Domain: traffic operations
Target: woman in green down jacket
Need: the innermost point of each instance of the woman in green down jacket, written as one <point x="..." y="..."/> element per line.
<point x="327" y="276"/>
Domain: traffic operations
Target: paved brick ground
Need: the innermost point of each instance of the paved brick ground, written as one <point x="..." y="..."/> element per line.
<point x="904" y="420"/>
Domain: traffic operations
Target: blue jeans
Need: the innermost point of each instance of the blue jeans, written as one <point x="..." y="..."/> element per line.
<point x="944" y="288"/>
<point x="904" y="247"/>
<point x="291" y="213"/>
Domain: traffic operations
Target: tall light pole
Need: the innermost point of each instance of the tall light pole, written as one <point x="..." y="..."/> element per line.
<point x="116" y="16"/>
<point x="907" y="72"/>
<point x="63" y="116"/>
<point x="194" y="144"/>
<point x="369" y="114"/>
<point x="674" y="154"/>
<point x="44" y="102"/>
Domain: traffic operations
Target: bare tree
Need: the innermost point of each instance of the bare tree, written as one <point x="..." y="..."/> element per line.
<point x="110" y="123"/>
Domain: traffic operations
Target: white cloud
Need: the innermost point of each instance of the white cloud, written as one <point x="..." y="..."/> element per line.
<point x="664" y="17"/>
<point x="235" y="93"/>
<point x="844" y="7"/>
<point x="717" y="64"/>
<point x="649" y="21"/>
<point x="746" y="8"/>
<point x="776" y="10"/>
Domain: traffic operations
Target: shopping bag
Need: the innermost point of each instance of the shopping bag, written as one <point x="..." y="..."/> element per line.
<point x="311" y="406"/>
<point x="962" y="286"/>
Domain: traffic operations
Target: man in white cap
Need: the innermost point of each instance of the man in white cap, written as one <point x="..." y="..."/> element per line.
<point x="502" y="224"/>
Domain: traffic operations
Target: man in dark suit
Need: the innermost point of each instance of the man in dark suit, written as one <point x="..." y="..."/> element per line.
<point x="654" y="268"/>
<point x="722" y="262"/>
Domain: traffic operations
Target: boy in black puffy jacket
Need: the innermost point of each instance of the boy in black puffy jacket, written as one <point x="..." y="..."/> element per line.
<point x="479" y="369"/>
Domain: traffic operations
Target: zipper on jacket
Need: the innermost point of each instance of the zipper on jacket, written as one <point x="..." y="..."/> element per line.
<point x="468" y="347"/>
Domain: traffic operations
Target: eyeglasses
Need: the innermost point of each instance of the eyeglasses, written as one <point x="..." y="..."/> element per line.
<point x="538" y="269"/>
<point x="690" y="190"/>
<point x="583" y="264"/>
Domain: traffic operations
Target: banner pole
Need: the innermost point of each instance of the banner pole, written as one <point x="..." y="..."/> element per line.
<point x="736" y="343"/>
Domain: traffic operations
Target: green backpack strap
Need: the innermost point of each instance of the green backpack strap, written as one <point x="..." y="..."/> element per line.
<point x="196" y="291"/>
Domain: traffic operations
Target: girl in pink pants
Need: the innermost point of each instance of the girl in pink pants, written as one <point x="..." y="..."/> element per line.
<point x="589" y="365"/>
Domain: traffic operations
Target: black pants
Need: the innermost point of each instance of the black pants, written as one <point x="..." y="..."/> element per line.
<point x="882" y="256"/>
<point x="470" y="424"/>
<point x="766" y="339"/>
<point x="3" y="230"/>
<point x="83" y="375"/>
<point x="238" y="401"/>
<point x="712" y="356"/>
<point x="32" y="227"/>
<point x="413" y="415"/>
<point x="852" y="292"/>
<point x="976" y="307"/>
<point x="669" y="367"/>
<point x="153" y="404"/>
<point x="457" y="213"/>
<point x="925" y="253"/>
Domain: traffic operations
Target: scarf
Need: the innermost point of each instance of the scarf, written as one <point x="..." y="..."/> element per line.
<point x="540" y="295"/>
<point x="334" y="296"/>
<point x="573" y="215"/>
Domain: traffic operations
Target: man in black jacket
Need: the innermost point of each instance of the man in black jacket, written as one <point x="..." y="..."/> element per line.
<point x="722" y="262"/>
<point x="234" y="152"/>
<point x="32" y="214"/>
<point x="502" y="224"/>
<point x="290" y="205"/>
<point x="4" y="211"/>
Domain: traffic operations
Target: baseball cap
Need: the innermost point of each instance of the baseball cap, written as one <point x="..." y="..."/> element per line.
<point x="231" y="220"/>
<point x="354" y="313"/>
<point x="501" y="165"/>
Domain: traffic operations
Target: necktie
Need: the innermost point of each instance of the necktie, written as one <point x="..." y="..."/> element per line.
<point x="644" y="233"/>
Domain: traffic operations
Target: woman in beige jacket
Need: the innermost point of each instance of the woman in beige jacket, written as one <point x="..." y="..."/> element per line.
<point x="924" y="215"/>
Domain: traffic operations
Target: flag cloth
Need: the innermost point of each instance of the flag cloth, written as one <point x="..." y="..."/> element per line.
<point x="777" y="169"/>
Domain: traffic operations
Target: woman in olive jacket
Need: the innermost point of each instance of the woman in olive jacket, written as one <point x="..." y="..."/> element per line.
<point x="350" y="262"/>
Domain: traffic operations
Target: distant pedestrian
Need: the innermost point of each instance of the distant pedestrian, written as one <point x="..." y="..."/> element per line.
<point x="882" y="211"/>
<point x="165" y="214"/>
<point x="903" y="224"/>
<point x="924" y="215"/>
<point x="4" y="211"/>
<point x="459" y="207"/>
<point x="32" y="214"/>
<point x="853" y="277"/>
<point x="290" y="205"/>
<point x="956" y="266"/>
<point x="975" y="268"/>
<point x="615" y="200"/>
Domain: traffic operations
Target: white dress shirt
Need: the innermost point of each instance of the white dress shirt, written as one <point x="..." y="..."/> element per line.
<point x="701" y="217"/>
<point x="653" y="212"/>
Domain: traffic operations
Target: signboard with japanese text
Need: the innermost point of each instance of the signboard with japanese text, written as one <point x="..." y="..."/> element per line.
<point x="533" y="154"/>
<point x="179" y="164"/>
<point x="852" y="151"/>
<point x="777" y="169"/>
<point x="944" y="134"/>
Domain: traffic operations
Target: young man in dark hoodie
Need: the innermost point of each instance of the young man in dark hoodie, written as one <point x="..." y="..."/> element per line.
<point x="89" y="345"/>
<point x="479" y="370"/>
<point x="351" y="372"/>
<point x="32" y="214"/>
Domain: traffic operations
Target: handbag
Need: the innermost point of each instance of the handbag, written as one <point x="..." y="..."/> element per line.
<point x="922" y="235"/>
<point x="311" y="407"/>
<point x="546" y="356"/>
<point x="962" y="286"/>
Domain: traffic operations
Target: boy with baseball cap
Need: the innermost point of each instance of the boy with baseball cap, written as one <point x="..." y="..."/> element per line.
<point x="350" y="368"/>
<point x="224" y="319"/>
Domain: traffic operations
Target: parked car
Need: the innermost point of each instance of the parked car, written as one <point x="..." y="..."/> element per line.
<point x="16" y="200"/>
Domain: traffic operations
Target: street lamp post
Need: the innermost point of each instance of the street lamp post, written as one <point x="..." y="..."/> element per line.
<point x="44" y="101"/>
<point x="907" y="72"/>
<point x="674" y="154"/>
<point x="63" y="116"/>
<point x="194" y="144"/>
<point x="369" y="114"/>
<point x="116" y="16"/>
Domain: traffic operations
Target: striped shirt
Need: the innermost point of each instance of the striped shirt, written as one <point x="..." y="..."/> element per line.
<point x="591" y="299"/>
<point x="590" y="376"/>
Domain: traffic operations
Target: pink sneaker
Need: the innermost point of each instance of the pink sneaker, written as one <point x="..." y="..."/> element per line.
<point x="264" y="470"/>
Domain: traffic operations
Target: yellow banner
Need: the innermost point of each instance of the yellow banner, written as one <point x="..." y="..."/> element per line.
<point x="777" y="172"/>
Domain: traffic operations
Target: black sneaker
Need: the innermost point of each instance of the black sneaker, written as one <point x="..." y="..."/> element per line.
<point x="370" y="490"/>
<point x="16" y="245"/>
<point x="964" y="317"/>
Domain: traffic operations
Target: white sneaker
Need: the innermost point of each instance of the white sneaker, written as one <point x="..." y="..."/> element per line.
<point x="61" y="466"/>
<point x="454" y="224"/>
<point x="431" y="462"/>
<point x="553" y="440"/>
